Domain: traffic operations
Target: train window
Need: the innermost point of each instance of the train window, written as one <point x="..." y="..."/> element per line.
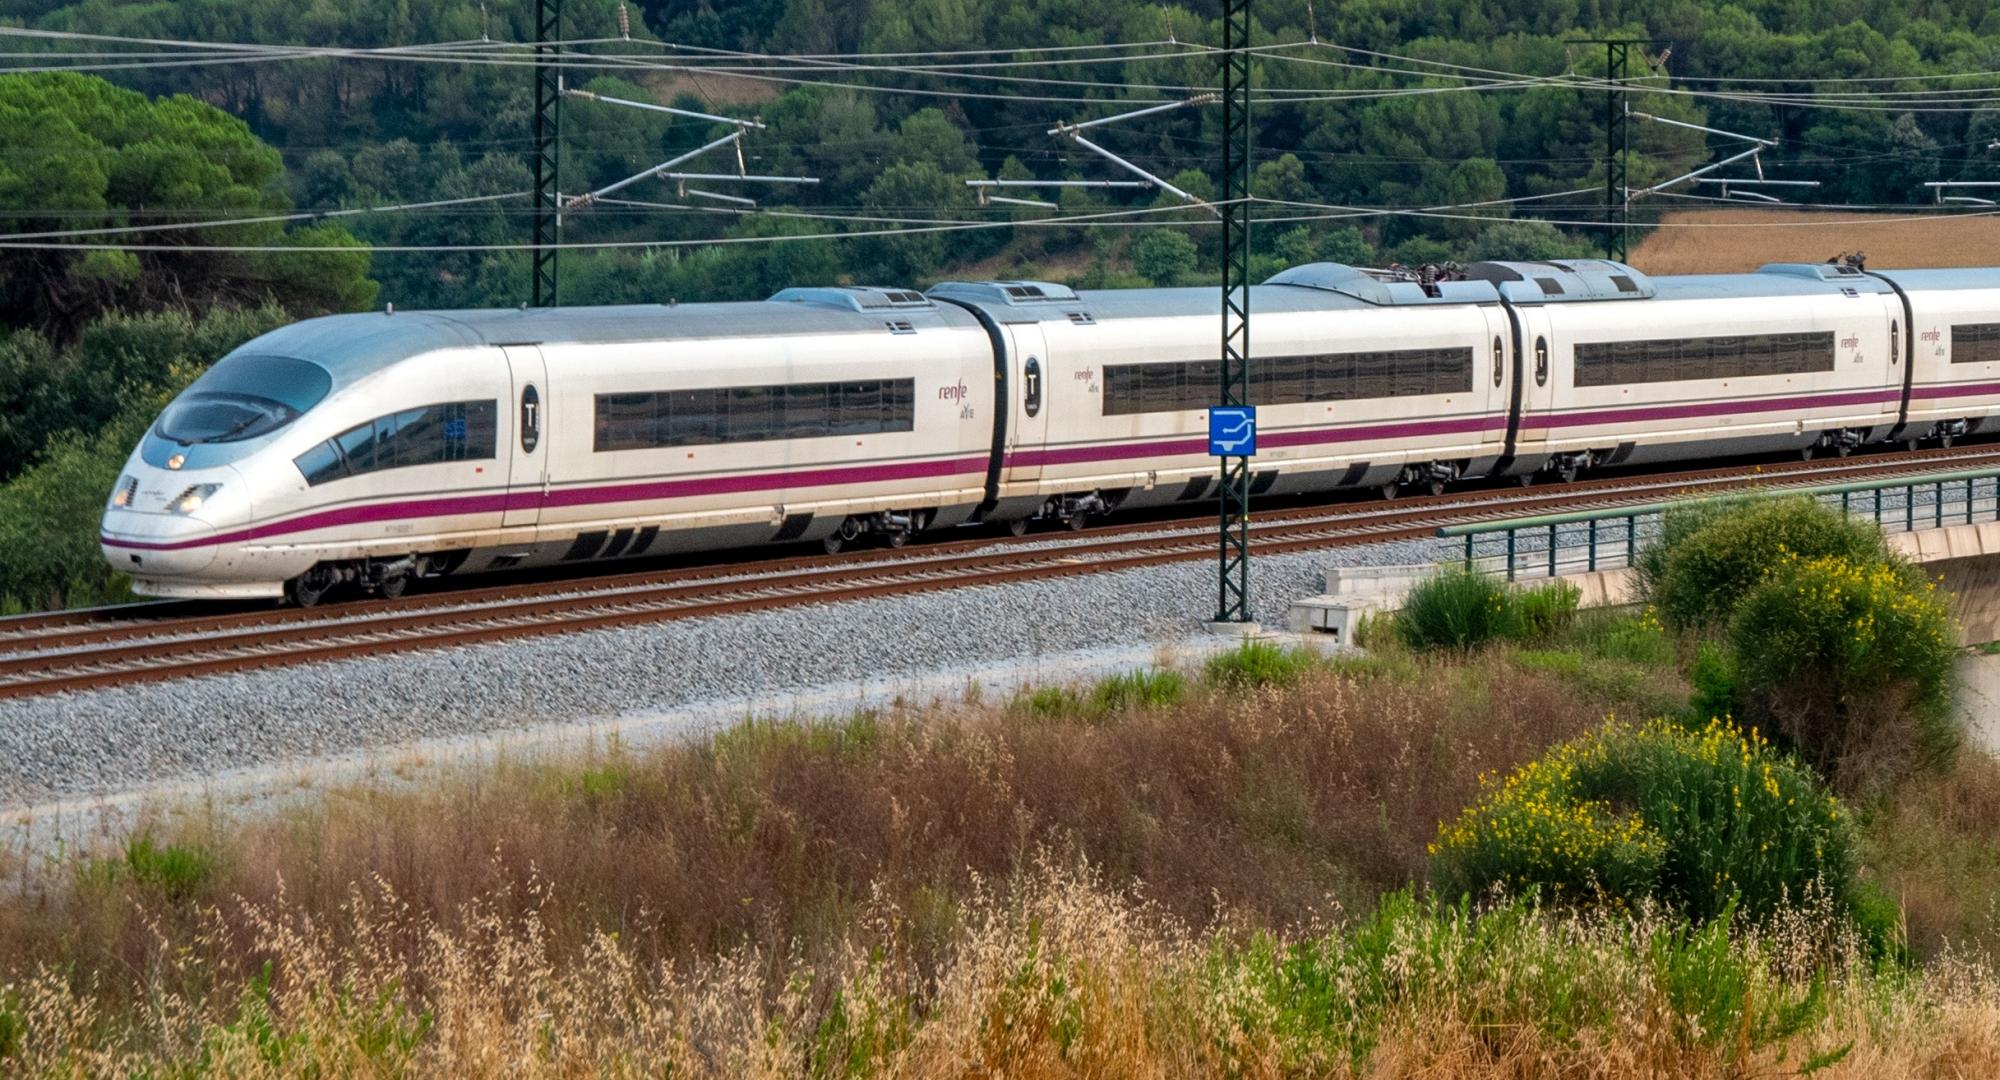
<point x="244" y="397"/>
<point x="1623" y="363"/>
<point x="1975" y="343"/>
<point x="449" y="431"/>
<point x="809" y="410"/>
<point x="321" y="463"/>
<point x="1190" y="385"/>
<point x="1541" y="361"/>
<point x="1031" y="390"/>
<point x="731" y="414"/>
<point x="357" y="445"/>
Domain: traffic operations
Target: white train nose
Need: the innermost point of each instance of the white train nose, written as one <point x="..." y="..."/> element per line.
<point x="156" y="545"/>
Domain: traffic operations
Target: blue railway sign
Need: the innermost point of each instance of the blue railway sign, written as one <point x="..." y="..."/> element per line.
<point x="1232" y="431"/>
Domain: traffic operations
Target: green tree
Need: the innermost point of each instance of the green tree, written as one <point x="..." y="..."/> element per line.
<point x="1164" y="256"/>
<point x="79" y="153"/>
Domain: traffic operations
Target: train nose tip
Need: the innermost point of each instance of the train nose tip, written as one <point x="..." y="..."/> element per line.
<point x="156" y="545"/>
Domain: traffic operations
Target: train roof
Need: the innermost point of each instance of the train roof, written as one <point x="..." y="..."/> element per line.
<point x="355" y="345"/>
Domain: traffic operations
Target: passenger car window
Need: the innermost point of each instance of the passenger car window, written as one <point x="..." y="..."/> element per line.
<point x="449" y="431"/>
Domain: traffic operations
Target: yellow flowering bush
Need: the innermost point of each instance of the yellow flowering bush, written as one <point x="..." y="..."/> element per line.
<point x="1844" y="657"/>
<point x="1710" y="553"/>
<point x="1699" y="820"/>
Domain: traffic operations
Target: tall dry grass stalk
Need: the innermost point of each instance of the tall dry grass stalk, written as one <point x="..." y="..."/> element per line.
<point x="1056" y="975"/>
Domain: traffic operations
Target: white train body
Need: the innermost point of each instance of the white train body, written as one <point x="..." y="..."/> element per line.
<point x="375" y="448"/>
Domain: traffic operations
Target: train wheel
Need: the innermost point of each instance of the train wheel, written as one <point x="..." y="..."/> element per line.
<point x="1077" y="520"/>
<point x="1017" y="527"/>
<point x="1435" y="487"/>
<point x="393" y="587"/>
<point x="1392" y="490"/>
<point x="897" y="537"/>
<point x="833" y="543"/>
<point x="311" y="587"/>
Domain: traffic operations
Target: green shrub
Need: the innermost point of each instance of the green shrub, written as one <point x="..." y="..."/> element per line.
<point x="1612" y="634"/>
<point x="1700" y="820"/>
<point x="1458" y="608"/>
<point x="1258" y="663"/>
<point x="1844" y="658"/>
<point x="1709" y="554"/>
<point x="1048" y="702"/>
<point x="1152" y="688"/>
<point x="1713" y="676"/>
<point x="1542" y="613"/>
<point x="175" y="869"/>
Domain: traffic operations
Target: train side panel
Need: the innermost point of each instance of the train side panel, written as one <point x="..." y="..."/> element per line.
<point x="1955" y="321"/>
<point x="1672" y="379"/>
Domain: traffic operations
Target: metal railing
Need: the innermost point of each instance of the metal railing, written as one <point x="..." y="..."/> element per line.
<point x="1606" y="539"/>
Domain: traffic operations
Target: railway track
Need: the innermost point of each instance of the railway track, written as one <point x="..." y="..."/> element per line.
<point x="61" y="651"/>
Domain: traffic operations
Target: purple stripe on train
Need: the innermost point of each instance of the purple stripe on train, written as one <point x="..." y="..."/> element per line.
<point x="611" y="493"/>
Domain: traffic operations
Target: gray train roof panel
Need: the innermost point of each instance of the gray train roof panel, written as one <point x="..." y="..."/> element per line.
<point x="1951" y="279"/>
<point x="1565" y="281"/>
<point x="354" y="345"/>
<point x="1380" y="291"/>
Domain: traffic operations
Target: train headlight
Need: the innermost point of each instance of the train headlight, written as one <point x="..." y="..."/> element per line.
<point x="128" y="489"/>
<point x="187" y="502"/>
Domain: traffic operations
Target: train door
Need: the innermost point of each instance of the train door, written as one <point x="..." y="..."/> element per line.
<point x="1030" y="413"/>
<point x="528" y="450"/>
<point x="1536" y="368"/>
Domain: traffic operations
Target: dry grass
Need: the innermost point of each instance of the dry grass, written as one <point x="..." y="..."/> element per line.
<point x="1072" y="883"/>
<point x="1058" y="977"/>
<point x="1932" y="844"/>
<point x="1756" y="237"/>
<point x="1268" y="803"/>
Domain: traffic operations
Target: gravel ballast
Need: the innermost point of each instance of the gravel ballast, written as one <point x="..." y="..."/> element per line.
<point x="105" y="741"/>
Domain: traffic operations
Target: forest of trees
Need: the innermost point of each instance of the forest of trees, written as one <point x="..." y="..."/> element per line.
<point x="359" y="133"/>
<point x="91" y="339"/>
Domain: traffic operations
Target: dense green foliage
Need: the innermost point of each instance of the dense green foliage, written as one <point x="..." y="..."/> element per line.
<point x="1847" y="659"/>
<point x="1711" y="553"/>
<point x="1461" y="608"/>
<point x="74" y="415"/>
<point x="1803" y="623"/>
<point x="1705" y="821"/>
<point x="368" y="133"/>
<point x="80" y="153"/>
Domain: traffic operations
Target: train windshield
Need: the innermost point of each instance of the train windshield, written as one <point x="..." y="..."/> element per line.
<point x="242" y="397"/>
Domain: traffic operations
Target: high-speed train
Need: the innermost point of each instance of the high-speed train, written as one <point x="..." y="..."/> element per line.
<point x="371" y="449"/>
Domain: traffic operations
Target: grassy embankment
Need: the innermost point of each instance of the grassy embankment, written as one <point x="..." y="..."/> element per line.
<point x="1162" y="874"/>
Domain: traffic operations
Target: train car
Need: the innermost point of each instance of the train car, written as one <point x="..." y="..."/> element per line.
<point x="1109" y="390"/>
<point x="371" y="449"/>
<point x="1952" y="350"/>
<point x="1627" y="369"/>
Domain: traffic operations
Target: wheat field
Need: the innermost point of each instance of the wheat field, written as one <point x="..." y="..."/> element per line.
<point x="1738" y="241"/>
